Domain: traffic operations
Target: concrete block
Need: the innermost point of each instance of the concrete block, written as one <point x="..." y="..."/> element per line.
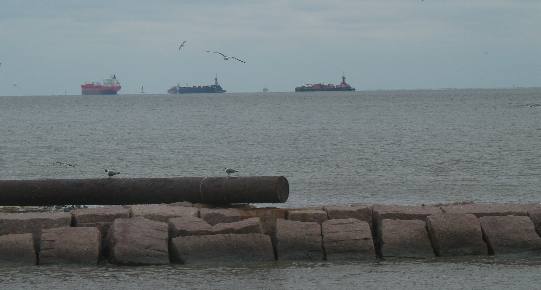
<point x="138" y="241"/>
<point x="188" y="226"/>
<point x="18" y="249"/>
<point x="162" y="212"/>
<point x="100" y="217"/>
<point x="360" y="212"/>
<point x="510" y="234"/>
<point x="404" y="238"/>
<point x="402" y="212"/>
<point x="491" y="209"/>
<point x="236" y="248"/>
<point x="267" y="217"/>
<point x="245" y="226"/>
<point x="21" y="223"/>
<point x="307" y="215"/>
<point x="347" y="239"/>
<point x="220" y="215"/>
<point x="456" y="234"/>
<point x="298" y="240"/>
<point x="535" y="216"/>
<point x="78" y="245"/>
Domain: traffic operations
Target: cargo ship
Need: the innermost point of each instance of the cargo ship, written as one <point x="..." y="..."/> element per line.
<point x="343" y="86"/>
<point x="110" y="86"/>
<point x="215" y="88"/>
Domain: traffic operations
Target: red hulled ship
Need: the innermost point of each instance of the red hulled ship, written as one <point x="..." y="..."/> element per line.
<point x="110" y="86"/>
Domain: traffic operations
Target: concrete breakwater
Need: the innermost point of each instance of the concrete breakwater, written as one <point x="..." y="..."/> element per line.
<point x="196" y="233"/>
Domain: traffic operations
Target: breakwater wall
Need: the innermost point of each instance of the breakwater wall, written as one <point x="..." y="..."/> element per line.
<point x="197" y="233"/>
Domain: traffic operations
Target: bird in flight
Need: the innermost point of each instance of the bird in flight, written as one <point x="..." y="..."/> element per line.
<point x="226" y="57"/>
<point x="181" y="45"/>
<point x="230" y="171"/>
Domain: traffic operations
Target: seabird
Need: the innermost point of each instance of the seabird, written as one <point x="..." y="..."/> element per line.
<point x="230" y="171"/>
<point x="181" y="45"/>
<point x="111" y="173"/>
<point x="226" y="57"/>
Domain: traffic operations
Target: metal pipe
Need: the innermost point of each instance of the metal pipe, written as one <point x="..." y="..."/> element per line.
<point x="217" y="190"/>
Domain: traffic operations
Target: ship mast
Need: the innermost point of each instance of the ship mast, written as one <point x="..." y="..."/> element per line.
<point x="216" y="80"/>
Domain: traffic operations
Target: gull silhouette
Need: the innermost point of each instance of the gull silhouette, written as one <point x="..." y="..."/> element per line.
<point x="226" y="57"/>
<point x="111" y="173"/>
<point x="230" y="171"/>
<point x="181" y="45"/>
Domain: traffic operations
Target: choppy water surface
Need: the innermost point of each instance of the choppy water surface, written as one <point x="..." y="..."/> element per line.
<point x="391" y="147"/>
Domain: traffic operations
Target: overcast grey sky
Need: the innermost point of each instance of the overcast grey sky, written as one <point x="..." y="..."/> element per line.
<point x="49" y="47"/>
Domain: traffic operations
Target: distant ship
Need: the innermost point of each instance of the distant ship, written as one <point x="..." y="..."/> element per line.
<point x="215" y="88"/>
<point x="109" y="86"/>
<point x="343" y="86"/>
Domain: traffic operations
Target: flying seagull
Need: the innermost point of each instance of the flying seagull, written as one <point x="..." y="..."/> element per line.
<point x="230" y="171"/>
<point x="226" y="57"/>
<point x="181" y="45"/>
<point x="111" y="173"/>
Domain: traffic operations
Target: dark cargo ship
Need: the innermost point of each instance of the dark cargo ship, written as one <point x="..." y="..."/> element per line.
<point x="343" y="86"/>
<point x="215" y="88"/>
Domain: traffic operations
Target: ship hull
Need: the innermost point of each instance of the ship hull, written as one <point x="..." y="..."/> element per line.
<point x="100" y="91"/>
<point x="307" y="89"/>
<point x="196" y="90"/>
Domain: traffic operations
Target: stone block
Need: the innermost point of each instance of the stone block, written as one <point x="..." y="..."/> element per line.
<point x="236" y="248"/>
<point x="245" y="226"/>
<point x="535" y="216"/>
<point x="510" y="234"/>
<point x="307" y="215"/>
<point x="188" y="226"/>
<point x="138" y="241"/>
<point x="21" y="223"/>
<point x="298" y="240"/>
<point x="402" y="212"/>
<point x="18" y="249"/>
<point x="78" y="245"/>
<point x="491" y="209"/>
<point x="347" y="239"/>
<point x="267" y="217"/>
<point x="456" y="234"/>
<point x="220" y="215"/>
<point x="360" y="212"/>
<point x="100" y="217"/>
<point x="404" y="238"/>
<point x="162" y="212"/>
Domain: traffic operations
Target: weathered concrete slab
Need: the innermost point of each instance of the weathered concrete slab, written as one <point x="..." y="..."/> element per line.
<point x="307" y="215"/>
<point x="404" y="238"/>
<point x="347" y="239"/>
<point x="17" y="248"/>
<point x="162" y="212"/>
<point x="454" y="234"/>
<point x="245" y="226"/>
<point x="360" y="212"/>
<point x="298" y="240"/>
<point x="79" y="245"/>
<point x="188" y="226"/>
<point x="21" y="223"/>
<point x="403" y="212"/>
<point x="138" y="241"/>
<point x="181" y="203"/>
<point x="220" y="215"/>
<point x="510" y="234"/>
<point x="236" y="248"/>
<point x="492" y="209"/>
<point x="535" y="216"/>
<point x="267" y="216"/>
<point x="100" y="217"/>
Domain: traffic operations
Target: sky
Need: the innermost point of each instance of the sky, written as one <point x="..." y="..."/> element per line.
<point x="52" y="47"/>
